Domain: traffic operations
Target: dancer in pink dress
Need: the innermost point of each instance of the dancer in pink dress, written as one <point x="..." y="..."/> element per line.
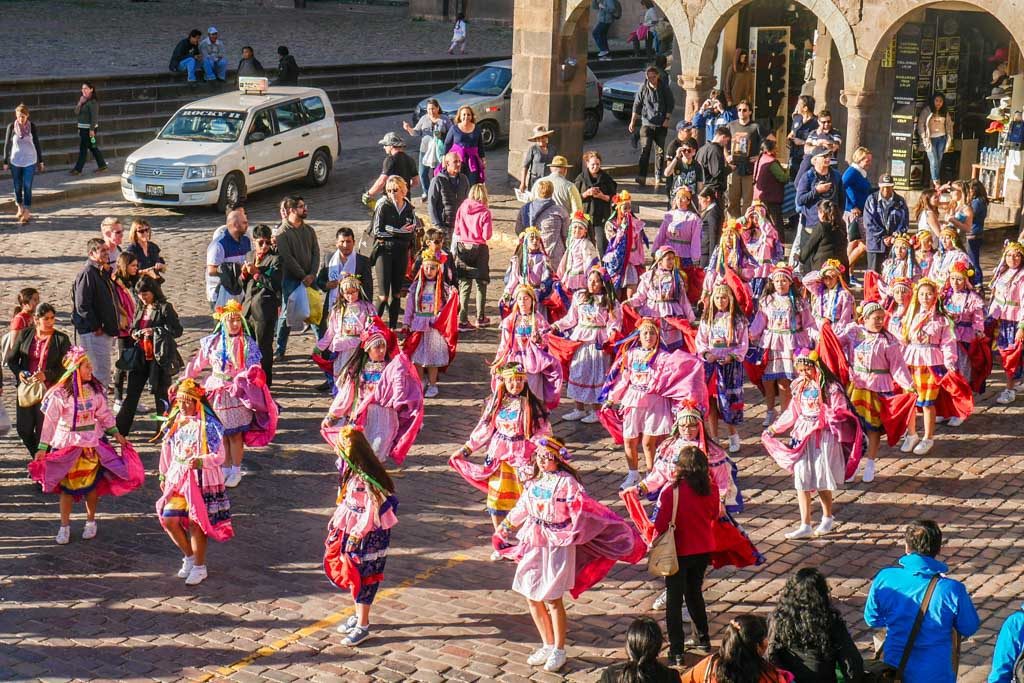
<point x="730" y="254"/>
<point x="350" y="315"/>
<point x="900" y="291"/>
<point x="824" y="444"/>
<point x="381" y="396"/>
<point x="900" y="264"/>
<point x="236" y="386"/>
<point x="522" y="341"/>
<point x="967" y="309"/>
<point x="1007" y="310"/>
<point x="74" y="457"/>
<point x="831" y="298"/>
<point x="193" y="504"/>
<point x="624" y="258"/>
<point x="661" y="294"/>
<point x="530" y="265"/>
<point x="359" y="533"/>
<point x="593" y="319"/>
<point x="567" y="543"/>
<point x="580" y="255"/>
<point x="681" y="229"/>
<point x="761" y="238"/>
<point x="722" y="342"/>
<point x="949" y="255"/>
<point x="427" y="296"/>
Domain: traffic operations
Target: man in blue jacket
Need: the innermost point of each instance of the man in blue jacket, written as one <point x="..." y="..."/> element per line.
<point x="1009" y="646"/>
<point x="896" y="596"/>
<point x="885" y="216"/>
<point x="821" y="182"/>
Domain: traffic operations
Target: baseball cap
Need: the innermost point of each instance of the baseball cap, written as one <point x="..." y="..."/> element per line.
<point x="392" y="140"/>
<point x="212" y="29"/>
<point x="886" y="181"/>
<point x="820" y="152"/>
<point x="684" y="125"/>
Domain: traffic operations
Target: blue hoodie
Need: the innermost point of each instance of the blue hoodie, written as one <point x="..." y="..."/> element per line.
<point x="893" y="602"/>
<point x="1009" y="645"/>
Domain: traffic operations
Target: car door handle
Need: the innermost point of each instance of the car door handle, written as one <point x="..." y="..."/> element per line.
<point x="277" y="144"/>
<point x="306" y="134"/>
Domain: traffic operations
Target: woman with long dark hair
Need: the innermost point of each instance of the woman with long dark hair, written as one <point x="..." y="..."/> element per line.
<point x="807" y="635"/>
<point x="643" y="643"/>
<point x="935" y="126"/>
<point x="741" y="658"/>
<point x="88" y="112"/>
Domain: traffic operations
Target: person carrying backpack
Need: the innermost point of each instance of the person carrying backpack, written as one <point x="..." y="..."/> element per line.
<point x="1008" y="658"/>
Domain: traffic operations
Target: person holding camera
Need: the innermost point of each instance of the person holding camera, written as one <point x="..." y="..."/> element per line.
<point x="713" y="114"/>
<point x="652" y="108"/>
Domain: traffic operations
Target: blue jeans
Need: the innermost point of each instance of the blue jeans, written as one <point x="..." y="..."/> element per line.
<point x="22" y="177"/>
<point x="219" y="65"/>
<point x="426" y="175"/>
<point x="287" y="287"/>
<point x="974" y="253"/>
<point x="188" y="65"/>
<point x="601" y="36"/>
<point x="935" y="150"/>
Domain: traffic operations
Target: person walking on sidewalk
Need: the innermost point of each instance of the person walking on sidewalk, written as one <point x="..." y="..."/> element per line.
<point x="299" y="250"/>
<point x="607" y="12"/>
<point x="458" y="35"/>
<point x="23" y="155"/>
<point x="652" y="108"/>
<point x="88" y="112"/>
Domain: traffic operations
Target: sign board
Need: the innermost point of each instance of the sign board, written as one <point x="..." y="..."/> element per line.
<point x="253" y="85"/>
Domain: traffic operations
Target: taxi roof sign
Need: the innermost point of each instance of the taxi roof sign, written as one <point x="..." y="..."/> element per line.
<point x="250" y="85"/>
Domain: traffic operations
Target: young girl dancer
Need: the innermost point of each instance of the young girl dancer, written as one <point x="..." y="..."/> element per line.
<point x="593" y="319"/>
<point x="350" y="315"/>
<point x="831" y="299"/>
<point x="900" y="264"/>
<point x="661" y="294"/>
<point x="625" y="256"/>
<point x="762" y="241"/>
<point x="924" y="251"/>
<point x="877" y="366"/>
<point x="950" y="254"/>
<point x="74" y="457"/>
<point x="681" y="229"/>
<point x="930" y="350"/>
<point x="427" y="297"/>
<point x="512" y="416"/>
<point x="567" y="543"/>
<point x="194" y="504"/>
<point x="730" y="253"/>
<point x="722" y="342"/>
<point x="381" y="396"/>
<point x="1005" y="309"/>
<point x="529" y="265"/>
<point x="580" y="254"/>
<point x="522" y="341"/>
<point x="782" y="324"/>
<point x="824" y="443"/>
<point x="967" y="310"/>
<point x="899" y="298"/>
<point x="359" y="533"/>
<point x="236" y="387"/>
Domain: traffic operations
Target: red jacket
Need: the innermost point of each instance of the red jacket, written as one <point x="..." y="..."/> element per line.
<point x="693" y="518"/>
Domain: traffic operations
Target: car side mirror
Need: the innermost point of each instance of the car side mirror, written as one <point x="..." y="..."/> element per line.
<point x="256" y="137"/>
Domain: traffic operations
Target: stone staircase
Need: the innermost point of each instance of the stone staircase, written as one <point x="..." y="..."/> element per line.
<point x="134" y="107"/>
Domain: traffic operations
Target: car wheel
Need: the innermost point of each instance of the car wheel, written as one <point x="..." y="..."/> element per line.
<point x="622" y="115"/>
<point x="489" y="134"/>
<point x="232" y="191"/>
<point x="319" y="168"/>
<point x="591" y="122"/>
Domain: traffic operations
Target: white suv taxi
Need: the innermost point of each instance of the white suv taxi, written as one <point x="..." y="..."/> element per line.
<point x="218" y="149"/>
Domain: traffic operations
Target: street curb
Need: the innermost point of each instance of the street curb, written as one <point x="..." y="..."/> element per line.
<point x="52" y="196"/>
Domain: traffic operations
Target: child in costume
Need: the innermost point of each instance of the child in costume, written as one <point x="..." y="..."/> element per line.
<point x="722" y="342"/>
<point x="624" y="258"/>
<point x="359" y="533"/>
<point x="831" y="299"/>
<point x="427" y="296"/>
<point x="730" y="253"/>
<point x="824" y="444"/>
<point x="351" y="314"/>
<point x="236" y="387"/>
<point x="1005" y="309"/>
<point x="924" y="251"/>
<point x="949" y="255"/>
<point x="512" y="416"/>
<point x="193" y="504"/>
<point x="522" y="341"/>
<point x="877" y="366"/>
<point x="529" y="265"/>
<point x="930" y="351"/>
<point x="681" y="229"/>
<point x="75" y="459"/>
<point x="782" y="325"/>
<point x="580" y="254"/>
<point x="900" y="291"/>
<point x="379" y="395"/>
<point x="967" y="309"/>
<point x="761" y="238"/>
<point x="593" y="319"/>
<point x="567" y="543"/>
<point x="900" y="264"/>
<point x="661" y="294"/>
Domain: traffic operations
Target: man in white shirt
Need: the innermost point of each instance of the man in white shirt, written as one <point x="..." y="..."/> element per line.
<point x="224" y="259"/>
<point x="215" y="59"/>
<point x="345" y="261"/>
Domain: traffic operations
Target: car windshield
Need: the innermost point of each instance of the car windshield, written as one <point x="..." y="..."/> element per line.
<point x="490" y="80"/>
<point x="204" y="125"/>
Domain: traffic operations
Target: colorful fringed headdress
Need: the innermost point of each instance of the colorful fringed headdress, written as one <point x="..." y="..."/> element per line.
<point x="783" y="270"/>
<point x="689" y="413"/>
<point x="240" y="350"/>
<point x="222" y="313"/>
<point x="868" y="308"/>
<point x="429" y="255"/>
<point x="73" y="360"/>
<point x="552" y="446"/>
<point x="370" y="337"/>
<point x="513" y="371"/>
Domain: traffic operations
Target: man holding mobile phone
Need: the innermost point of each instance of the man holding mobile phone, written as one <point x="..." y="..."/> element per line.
<point x="819" y="183"/>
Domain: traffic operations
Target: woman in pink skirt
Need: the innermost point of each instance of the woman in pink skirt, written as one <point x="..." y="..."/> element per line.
<point x="661" y="294"/>
<point x="193" y="504"/>
<point x="427" y="297"/>
<point x="74" y="457"/>
<point x="580" y="255"/>
<point x="567" y="543"/>
<point x="350" y="315"/>
<point x="681" y="229"/>
<point x="522" y="341"/>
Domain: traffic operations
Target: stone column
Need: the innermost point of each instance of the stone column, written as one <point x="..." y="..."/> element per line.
<point x="857" y="105"/>
<point x="697" y="89"/>
<point x="543" y="93"/>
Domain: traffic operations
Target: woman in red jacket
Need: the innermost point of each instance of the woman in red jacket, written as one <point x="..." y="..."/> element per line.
<point x="696" y="510"/>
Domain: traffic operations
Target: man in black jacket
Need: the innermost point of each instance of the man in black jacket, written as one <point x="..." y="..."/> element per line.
<point x="186" y="55"/>
<point x="447" y="191"/>
<point x="711" y="157"/>
<point x="287" y="68"/>
<point x="249" y="65"/>
<point x="652" y="109"/>
<point x="94" y="314"/>
<point x="262" y="279"/>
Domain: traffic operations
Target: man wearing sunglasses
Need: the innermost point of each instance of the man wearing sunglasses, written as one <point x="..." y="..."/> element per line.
<point x="744" y="146"/>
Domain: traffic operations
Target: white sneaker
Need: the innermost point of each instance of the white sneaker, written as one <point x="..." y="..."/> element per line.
<point x="495" y="556"/>
<point x="196" y="576"/>
<point x="431" y="391"/>
<point x="660" y="601"/>
<point x="802" y="531"/>
<point x="347" y="625"/>
<point x="574" y="415"/>
<point x="869" y="472"/>
<point x="769" y="418"/>
<point x="186" y="567"/>
<point x="734" y="443"/>
<point x="590" y="418"/>
<point x="850" y="478"/>
<point x="1006" y="396"/>
<point x="89" y="532"/>
<point x="234" y="477"/>
<point x="955" y="421"/>
<point x="63" y="535"/>
<point x="632" y="479"/>
<point x="556" y="660"/>
<point x="540" y="655"/>
<point x="909" y="442"/>
<point x="825" y="527"/>
<point x="923" y="446"/>
<point x="939" y="419"/>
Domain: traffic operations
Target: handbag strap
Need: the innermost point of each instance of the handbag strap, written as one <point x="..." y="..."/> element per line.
<point x="917" y="623"/>
<point x="675" y="506"/>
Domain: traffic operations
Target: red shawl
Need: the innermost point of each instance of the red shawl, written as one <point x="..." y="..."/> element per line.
<point x="955" y="397"/>
<point x="830" y="351"/>
<point x="871" y="289"/>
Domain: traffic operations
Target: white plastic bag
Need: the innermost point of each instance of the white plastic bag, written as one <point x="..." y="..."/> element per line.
<point x="297" y="308"/>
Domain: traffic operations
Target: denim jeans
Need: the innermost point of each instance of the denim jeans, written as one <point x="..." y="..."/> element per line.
<point x="97" y="348"/>
<point x="22" y="177"/>
<point x="601" y="37"/>
<point x="935" y="150"/>
<point x="974" y="254"/>
<point x="188" y="65"/>
<point x="426" y="175"/>
<point x="287" y="287"/>
<point x="211" y="65"/>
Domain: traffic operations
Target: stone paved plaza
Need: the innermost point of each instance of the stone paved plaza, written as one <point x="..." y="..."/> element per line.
<point x="111" y="608"/>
